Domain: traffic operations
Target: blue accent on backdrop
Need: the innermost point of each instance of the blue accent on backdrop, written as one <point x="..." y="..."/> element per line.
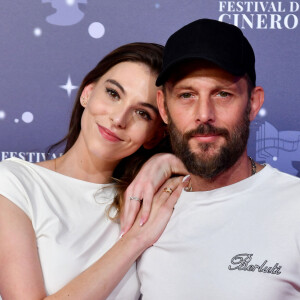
<point x="47" y="46"/>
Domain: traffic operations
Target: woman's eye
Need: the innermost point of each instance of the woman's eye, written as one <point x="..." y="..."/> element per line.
<point x="113" y="94"/>
<point x="223" y="94"/>
<point x="143" y="114"/>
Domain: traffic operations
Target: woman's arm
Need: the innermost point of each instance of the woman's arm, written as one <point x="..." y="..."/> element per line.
<point x="150" y="178"/>
<point x="20" y="271"/>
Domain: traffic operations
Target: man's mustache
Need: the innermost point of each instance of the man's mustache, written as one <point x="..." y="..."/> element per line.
<point x="206" y="129"/>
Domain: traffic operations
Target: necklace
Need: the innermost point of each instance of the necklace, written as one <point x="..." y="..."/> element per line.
<point x="253" y="172"/>
<point x="253" y="166"/>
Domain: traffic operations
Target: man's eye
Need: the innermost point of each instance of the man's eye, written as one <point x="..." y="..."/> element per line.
<point x="223" y="94"/>
<point x="186" y="95"/>
<point x="113" y="94"/>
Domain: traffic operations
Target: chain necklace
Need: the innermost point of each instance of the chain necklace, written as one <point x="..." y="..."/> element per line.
<point x="253" y="172"/>
<point x="253" y="166"/>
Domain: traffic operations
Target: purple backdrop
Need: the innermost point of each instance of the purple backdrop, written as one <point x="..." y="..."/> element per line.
<point x="47" y="46"/>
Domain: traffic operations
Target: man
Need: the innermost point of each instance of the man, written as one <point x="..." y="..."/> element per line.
<point x="235" y="233"/>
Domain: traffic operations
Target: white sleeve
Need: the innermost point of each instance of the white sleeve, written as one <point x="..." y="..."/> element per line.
<point x="13" y="188"/>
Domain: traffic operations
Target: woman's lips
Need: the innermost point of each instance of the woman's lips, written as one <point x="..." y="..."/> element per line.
<point x="108" y="135"/>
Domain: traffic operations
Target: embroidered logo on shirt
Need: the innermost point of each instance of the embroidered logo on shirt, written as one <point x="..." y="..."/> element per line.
<point x="241" y="262"/>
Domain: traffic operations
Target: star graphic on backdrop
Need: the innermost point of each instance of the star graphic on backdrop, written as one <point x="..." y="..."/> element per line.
<point x="69" y="86"/>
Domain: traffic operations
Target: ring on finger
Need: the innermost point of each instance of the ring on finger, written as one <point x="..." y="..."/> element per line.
<point x="168" y="190"/>
<point x="135" y="198"/>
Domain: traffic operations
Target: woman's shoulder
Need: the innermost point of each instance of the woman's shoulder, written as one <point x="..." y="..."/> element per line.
<point x="18" y="174"/>
<point x="21" y="169"/>
<point x="16" y="182"/>
<point x="13" y="165"/>
<point x="24" y="170"/>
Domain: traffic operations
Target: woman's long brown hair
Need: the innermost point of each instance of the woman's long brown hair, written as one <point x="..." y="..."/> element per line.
<point x="149" y="54"/>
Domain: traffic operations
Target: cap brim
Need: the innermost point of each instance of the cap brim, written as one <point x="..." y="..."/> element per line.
<point x="166" y="72"/>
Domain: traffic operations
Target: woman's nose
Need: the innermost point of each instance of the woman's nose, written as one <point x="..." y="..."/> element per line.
<point x="119" y="118"/>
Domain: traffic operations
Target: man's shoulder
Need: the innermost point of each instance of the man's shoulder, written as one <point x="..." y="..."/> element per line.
<point x="282" y="176"/>
<point x="282" y="188"/>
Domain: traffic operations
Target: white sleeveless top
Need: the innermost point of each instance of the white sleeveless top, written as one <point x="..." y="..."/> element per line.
<point x="69" y="219"/>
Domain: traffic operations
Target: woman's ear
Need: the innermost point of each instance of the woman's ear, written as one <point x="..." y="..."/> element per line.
<point x="161" y="105"/>
<point x="256" y="101"/>
<point x="85" y="95"/>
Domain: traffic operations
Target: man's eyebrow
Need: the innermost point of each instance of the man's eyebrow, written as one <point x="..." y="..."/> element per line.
<point x="112" y="81"/>
<point x="179" y="87"/>
<point x="183" y="86"/>
<point x="146" y="104"/>
<point x="231" y="86"/>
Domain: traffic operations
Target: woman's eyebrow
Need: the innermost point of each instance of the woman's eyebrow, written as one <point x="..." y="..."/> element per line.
<point x="146" y="104"/>
<point x="112" y="81"/>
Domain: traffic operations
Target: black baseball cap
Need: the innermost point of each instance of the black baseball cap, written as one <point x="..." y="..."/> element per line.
<point x="220" y="43"/>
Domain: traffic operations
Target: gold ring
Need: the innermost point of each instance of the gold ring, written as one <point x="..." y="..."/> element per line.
<point x="168" y="190"/>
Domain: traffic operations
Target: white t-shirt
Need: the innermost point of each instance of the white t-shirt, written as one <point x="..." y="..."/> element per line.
<point x="238" y="242"/>
<point x="69" y="219"/>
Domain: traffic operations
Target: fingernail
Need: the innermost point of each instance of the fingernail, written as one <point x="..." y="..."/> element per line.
<point x="142" y="222"/>
<point x="186" y="178"/>
<point x="121" y="235"/>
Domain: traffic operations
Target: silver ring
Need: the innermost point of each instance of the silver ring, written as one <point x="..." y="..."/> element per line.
<point x="135" y="198"/>
<point x="168" y="190"/>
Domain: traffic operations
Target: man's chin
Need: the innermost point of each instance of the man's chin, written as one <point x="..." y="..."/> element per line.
<point x="206" y="163"/>
<point x="206" y="151"/>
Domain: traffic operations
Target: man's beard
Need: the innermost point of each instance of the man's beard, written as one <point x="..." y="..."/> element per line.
<point x="203" y="164"/>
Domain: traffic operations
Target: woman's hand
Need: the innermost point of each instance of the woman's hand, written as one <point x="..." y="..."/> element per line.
<point x="161" y="210"/>
<point x="152" y="175"/>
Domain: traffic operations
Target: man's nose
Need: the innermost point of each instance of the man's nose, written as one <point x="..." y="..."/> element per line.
<point x="204" y="111"/>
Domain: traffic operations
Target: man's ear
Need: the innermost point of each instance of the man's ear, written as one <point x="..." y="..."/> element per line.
<point x="160" y="97"/>
<point x="256" y="101"/>
<point x="85" y="95"/>
<point x="159" y="134"/>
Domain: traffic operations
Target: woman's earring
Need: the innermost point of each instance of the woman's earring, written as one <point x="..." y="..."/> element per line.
<point x="83" y="101"/>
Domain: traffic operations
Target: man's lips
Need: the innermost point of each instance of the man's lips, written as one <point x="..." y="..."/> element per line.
<point x="206" y="138"/>
<point x="206" y="133"/>
<point x="108" y="135"/>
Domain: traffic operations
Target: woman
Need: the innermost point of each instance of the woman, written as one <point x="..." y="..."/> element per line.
<point x="55" y="236"/>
